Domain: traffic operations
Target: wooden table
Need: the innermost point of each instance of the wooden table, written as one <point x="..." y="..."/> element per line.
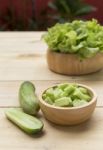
<point x="22" y="57"/>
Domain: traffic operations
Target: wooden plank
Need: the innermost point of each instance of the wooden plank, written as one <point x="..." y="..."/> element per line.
<point x="22" y="46"/>
<point x="26" y="67"/>
<point x="88" y="135"/>
<point x="9" y="90"/>
<point x="21" y="42"/>
<point x="33" y="66"/>
<point x="20" y="34"/>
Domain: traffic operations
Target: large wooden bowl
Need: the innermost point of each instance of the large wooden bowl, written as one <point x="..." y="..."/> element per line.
<point x="70" y="64"/>
<point x="71" y="115"/>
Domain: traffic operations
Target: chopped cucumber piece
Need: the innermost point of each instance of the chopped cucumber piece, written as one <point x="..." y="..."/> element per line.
<point x="63" y="102"/>
<point x="78" y="102"/>
<point x="67" y="94"/>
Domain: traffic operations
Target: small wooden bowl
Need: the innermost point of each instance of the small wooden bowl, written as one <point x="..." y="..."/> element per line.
<point x="71" y="115"/>
<point x="70" y="64"/>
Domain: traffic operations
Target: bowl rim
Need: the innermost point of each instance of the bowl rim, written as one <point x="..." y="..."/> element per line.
<point x="94" y="99"/>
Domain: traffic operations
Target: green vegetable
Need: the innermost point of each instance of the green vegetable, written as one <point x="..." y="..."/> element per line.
<point x="27" y="123"/>
<point x="63" y="86"/>
<point x="48" y="100"/>
<point x="85" y="38"/>
<point x="58" y="93"/>
<point x="83" y="90"/>
<point x="67" y="95"/>
<point x="63" y="102"/>
<point x="78" y="102"/>
<point x="81" y="95"/>
<point x="70" y="89"/>
<point x="28" y="99"/>
<point x="50" y="93"/>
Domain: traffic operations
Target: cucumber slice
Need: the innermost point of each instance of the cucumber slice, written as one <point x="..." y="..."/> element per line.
<point x="63" y="102"/>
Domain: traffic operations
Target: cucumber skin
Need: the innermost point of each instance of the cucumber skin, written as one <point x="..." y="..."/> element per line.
<point x="17" y="117"/>
<point x="28" y="99"/>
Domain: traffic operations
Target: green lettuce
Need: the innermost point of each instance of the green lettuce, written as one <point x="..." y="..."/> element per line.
<point x="84" y="38"/>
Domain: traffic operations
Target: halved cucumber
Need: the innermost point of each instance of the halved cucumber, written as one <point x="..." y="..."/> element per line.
<point x="27" y="123"/>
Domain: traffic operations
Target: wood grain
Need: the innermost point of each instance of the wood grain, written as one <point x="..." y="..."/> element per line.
<point x="88" y="135"/>
<point x="70" y="64"/>
<point x="22" y="57"/>
<point x="23" y="35"/>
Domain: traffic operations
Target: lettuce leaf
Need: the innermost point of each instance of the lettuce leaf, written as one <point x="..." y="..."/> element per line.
<point x="84" y="38"/>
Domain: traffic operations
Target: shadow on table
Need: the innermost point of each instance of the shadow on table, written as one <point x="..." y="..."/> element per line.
<point x="83" y="127"/>
<point x="93" y="76"/>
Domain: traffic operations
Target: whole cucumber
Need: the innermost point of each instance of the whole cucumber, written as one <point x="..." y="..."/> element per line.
<point x="28" y="99"/>
<point x="27" y="123"/>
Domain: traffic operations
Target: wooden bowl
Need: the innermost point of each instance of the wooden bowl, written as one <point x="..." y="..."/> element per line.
<point x="71" y="115"/>
<point x="70" y="64"/>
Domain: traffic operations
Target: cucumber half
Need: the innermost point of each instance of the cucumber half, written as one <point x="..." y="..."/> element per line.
<point x="27" y="123"/>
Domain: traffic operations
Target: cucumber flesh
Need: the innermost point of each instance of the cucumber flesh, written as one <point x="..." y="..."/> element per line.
<point x="27" y="123"/>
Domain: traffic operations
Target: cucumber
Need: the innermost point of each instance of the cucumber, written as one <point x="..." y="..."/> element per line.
<point x="28" y="99"/>
<point x="78" y="102"/>
<point x="63" y="102"/>
<point x="27" y="123"/>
